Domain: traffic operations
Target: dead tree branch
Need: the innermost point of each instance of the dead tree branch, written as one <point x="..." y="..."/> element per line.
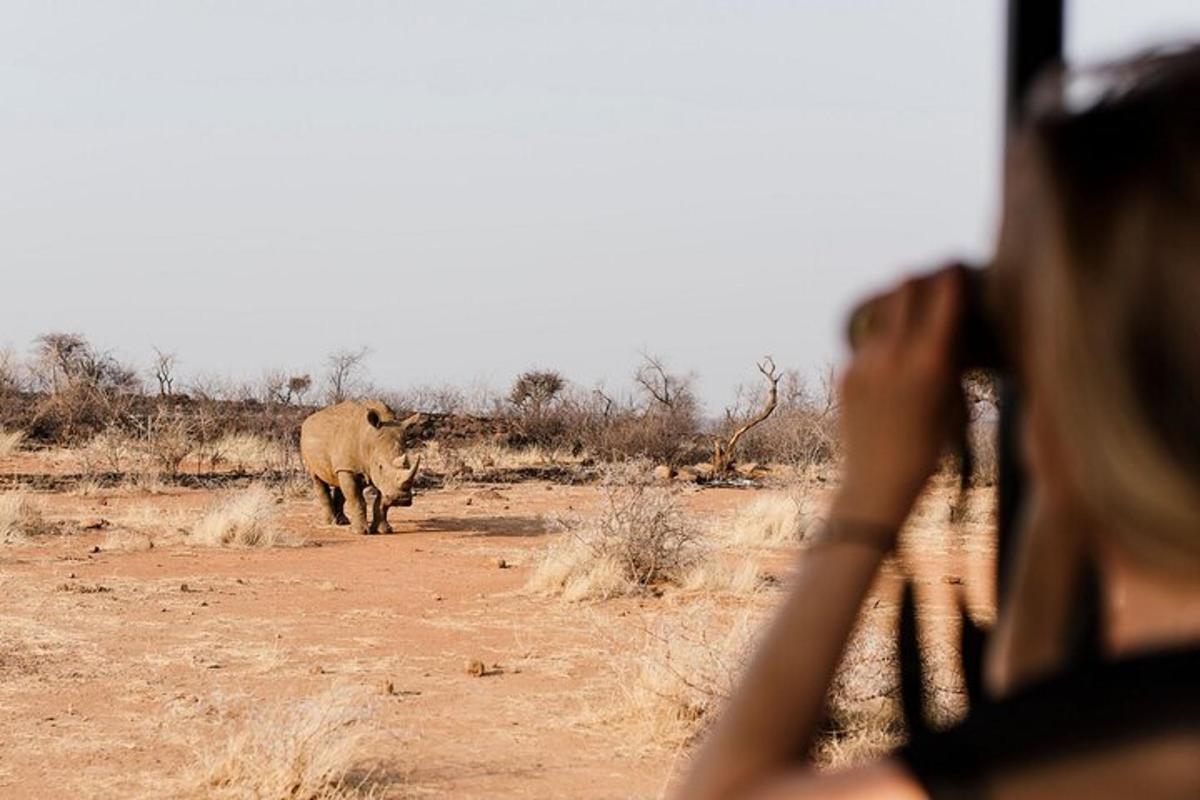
<point x="723" y="451"/>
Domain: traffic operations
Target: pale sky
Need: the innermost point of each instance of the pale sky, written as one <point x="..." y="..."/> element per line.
<point x="475" y="188"/>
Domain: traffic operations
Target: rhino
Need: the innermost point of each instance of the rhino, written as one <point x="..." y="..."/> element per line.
<point x="351" y="445"/>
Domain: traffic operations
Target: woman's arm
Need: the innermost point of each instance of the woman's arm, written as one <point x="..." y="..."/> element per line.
<point x="896" y="398"/>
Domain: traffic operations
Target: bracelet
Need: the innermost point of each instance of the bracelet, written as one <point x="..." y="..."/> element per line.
<point x="839" y="530"/>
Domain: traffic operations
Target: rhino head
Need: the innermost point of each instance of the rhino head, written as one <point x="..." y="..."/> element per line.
<point x="390" y="470"/>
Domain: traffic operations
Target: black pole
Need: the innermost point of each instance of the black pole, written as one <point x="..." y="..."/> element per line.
<point x="1035" y="41"/>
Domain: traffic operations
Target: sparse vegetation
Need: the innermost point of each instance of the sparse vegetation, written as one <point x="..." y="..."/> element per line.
<point x="716" y="575"/>
<point x="636" y="539"/>
<point x="673" y="687"/>
<point x="21" y="517"/>
<point x="616" y="471"/>
<point x="307" y="750"/>
<point x="773" y="520"/>
<point x="248" y="518"/>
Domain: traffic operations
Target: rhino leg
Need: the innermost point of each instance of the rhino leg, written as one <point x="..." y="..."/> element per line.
<point x="339" y="506"/>
<point x="351" y="487"/>
<point x="379" y="523"/>
<point x="324" y="499"/>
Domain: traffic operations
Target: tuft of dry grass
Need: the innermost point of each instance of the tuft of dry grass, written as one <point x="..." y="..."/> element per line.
<point x="638" y="538"/>
<point x="715" y="575"/>
<point x="21" y="517"/>
<point x="301" y="751"/>
<point x="10" y="442"/>
<point x="249" y="518"/>
<point x="773" y="520"/>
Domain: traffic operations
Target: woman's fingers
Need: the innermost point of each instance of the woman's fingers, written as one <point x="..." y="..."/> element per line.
<point x="939" y="326"/>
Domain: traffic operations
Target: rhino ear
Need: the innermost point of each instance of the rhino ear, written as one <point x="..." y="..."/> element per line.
<point x="373" y="418"/>
<point x="412" y="420"/>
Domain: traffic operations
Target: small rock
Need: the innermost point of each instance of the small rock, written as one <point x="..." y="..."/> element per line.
<point x="93" y="523"/>
<point x="437" y="598"/>
<point x="664" y="472"/>
<point x="953" y="580"/>
<point x="476" y="668"/>
<point x="183" y="587"/>
<point x="502" y="564"/>
<point x="387" y="687"/>
<point x="469" y="501"/>
<point x="95" y="549"/>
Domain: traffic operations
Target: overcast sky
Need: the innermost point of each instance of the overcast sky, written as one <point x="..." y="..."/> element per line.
<point x="475" y="188"/>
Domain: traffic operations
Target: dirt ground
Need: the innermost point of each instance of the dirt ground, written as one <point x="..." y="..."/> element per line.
<point x="120" y="666"/>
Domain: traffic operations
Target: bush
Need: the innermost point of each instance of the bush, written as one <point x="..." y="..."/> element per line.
<point x="637" y="538"/>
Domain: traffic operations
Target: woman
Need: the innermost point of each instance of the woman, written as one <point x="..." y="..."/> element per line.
<point x="1098" y="271"/>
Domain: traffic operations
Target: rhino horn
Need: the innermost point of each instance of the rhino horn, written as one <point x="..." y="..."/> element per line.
<point x="412" y="472"/>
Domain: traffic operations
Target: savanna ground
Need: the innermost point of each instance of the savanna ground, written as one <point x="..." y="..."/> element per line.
<point x="210" y="639"/>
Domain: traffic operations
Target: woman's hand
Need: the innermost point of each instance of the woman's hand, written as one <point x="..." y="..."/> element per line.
<point x="899" y="398"/>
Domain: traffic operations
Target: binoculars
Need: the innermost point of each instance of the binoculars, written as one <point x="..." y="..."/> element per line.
<point x="981" y="343"/>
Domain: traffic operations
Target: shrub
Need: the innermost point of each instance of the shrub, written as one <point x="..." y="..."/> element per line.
<point x="637" y="538"/>
<point x="248" y="519"/>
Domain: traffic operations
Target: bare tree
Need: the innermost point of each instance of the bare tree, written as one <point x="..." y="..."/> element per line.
<point x="164" y="372"/>
<point x="723" y="451"/>
<point x="663" y="388"/>
<point x="342" y="375"/>
<point x="10" y="372"/>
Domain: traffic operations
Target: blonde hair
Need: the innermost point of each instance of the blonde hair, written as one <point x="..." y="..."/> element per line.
<point x="1118" y="305"/>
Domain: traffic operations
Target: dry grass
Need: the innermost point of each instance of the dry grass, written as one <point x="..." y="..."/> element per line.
<point x="301" y="751"/>
<point x="673" y="688"/>
<point x="10" y="442"/>
<point x="715" y="575"/>
<point x="865" y="719"/>
<point x="773" y="520"/>
<point x="109" y="451"/>
<point x="246" y="451"/>
<point x="21" y="517"/>
<point x="248" y="518"/>
<point x="638" y="538"/>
